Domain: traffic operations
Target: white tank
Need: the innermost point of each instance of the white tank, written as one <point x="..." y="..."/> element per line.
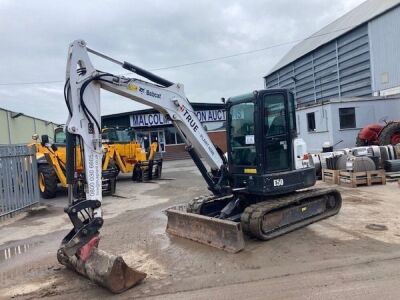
<point x="300" y="148"/>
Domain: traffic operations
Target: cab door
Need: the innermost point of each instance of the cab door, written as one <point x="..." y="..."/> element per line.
<point x="276" y="133"/>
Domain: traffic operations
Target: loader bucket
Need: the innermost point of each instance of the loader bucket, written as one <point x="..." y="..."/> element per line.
<point x="218" y="233"/>
<point x="105" y="269"/>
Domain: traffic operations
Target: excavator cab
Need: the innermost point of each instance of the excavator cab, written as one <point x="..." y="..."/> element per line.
<point x="266" y="167"/>
<point x="264" y="155"/>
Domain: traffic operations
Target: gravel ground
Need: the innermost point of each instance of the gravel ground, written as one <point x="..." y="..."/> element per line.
<point x="341" y="257"/>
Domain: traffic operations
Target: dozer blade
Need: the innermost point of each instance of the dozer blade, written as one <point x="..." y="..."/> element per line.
<point x="218" y="233"/>
<point x="105" y="269"/>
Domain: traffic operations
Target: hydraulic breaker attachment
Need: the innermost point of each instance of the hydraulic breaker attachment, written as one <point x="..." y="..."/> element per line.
<point x="222" y="234"/>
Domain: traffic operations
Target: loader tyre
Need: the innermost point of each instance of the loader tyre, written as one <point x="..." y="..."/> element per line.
<point x="390" y="135"/>
<point x="360" y="142"/>
<point x="47" y="179"/>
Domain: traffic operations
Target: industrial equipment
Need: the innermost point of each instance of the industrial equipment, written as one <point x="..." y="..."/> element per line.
<point x="51" y="159"/>
<point x="260" y="189"/>
<point x="127" y="155"/>
<point x="381" y="135"/>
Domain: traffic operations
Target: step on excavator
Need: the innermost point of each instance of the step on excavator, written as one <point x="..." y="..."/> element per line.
<point x="262" y="189"/>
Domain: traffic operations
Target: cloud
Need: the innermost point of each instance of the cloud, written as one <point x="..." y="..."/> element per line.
<point x="152" y="34"/>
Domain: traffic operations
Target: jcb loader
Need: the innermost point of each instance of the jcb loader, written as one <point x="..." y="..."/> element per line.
<point x="51" y="160"/>
<point x="125" y="153"/>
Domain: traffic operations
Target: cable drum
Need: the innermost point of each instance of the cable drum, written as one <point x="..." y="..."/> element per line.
<point x="397" y="151"/>
<point x="341" y="162"/>
<point x="384" y="154"/>
<point x="355" y="164"/>
<point x="392" y="165"/>
<point x="360" y="164"/>
<point x="316" y="162"/>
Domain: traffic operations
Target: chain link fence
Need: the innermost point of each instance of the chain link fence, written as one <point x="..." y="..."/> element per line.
<point x="19" y="187"/>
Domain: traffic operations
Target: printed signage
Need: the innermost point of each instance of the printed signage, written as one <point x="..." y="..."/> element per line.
<point x="157" y="119"/>
<point x="211" y="115"/>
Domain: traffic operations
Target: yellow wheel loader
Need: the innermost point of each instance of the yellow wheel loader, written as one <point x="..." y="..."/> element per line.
<point x="51" y="160"/>
<point x="123" y="151"/>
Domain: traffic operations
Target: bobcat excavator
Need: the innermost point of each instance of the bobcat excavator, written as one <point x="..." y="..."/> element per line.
<point x="259" y="190"/>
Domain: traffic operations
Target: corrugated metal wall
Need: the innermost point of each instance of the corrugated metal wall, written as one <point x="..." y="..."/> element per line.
<point x="340" y="68"/>
<point x="19" y="129"/>
<point x="385" y="47"/>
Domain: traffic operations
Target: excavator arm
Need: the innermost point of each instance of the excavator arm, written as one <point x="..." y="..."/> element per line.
<point x="82" y="96"/>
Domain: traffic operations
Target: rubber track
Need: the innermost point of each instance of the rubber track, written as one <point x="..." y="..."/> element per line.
<point x="251" y="218"/>
<point x="194" y="206"/>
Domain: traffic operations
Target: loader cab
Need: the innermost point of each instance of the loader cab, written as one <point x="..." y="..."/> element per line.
<point x="261" y="132"/>
<point x="60" y="137"/>
<point x="118" y="135"/>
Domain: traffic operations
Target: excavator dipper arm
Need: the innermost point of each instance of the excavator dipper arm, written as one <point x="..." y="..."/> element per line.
<point x="82" y="94"/>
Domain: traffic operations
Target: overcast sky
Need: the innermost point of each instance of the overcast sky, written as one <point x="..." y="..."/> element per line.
<point x="152" y="34"/>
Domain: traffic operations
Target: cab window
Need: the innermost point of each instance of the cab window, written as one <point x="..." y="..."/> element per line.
<point x="59" y="137"/>
<point x="242" y="139"/>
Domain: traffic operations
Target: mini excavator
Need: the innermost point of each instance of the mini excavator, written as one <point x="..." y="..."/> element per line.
<point x="261" y="189"/>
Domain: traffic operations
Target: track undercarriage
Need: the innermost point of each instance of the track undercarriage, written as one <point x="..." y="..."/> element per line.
<point x="221" y="221"/>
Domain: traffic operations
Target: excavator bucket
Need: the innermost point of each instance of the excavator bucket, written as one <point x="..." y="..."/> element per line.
<point x="218" y="233"/>
<point x="107" y="270"/>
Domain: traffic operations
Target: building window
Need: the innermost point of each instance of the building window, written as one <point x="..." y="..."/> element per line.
<point x="311" y="121"/>
<point x="172" y="137"/>
<point x="179" y="139"/>
<point x="347" y="117"/>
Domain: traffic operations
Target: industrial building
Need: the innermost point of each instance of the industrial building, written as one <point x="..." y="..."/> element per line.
<point x="17" y="128"/>
<point x="353" y="59"/>
<point x="150" y="126"/>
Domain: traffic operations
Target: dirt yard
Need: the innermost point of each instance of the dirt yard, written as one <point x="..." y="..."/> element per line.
<point x="354" y="254"/>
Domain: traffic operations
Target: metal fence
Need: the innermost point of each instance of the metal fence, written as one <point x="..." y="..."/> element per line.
<point x="19" y="187"/>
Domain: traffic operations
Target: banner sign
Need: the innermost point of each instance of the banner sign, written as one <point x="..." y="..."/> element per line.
<point x="149" y="120"/>
<point x="157" y="119"/>
<point x="211" y="115"/>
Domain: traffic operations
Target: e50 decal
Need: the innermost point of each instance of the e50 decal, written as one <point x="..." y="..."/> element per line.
<point x="278" y="182"/>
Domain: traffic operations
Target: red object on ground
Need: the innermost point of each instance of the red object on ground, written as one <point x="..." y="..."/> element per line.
<point x="86" y="250"/>
<point x="370" y="133"/>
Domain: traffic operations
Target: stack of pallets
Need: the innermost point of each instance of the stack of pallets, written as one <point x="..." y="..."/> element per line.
<point x="355" y="179"/>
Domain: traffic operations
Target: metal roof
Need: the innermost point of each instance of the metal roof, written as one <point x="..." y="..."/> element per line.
<point x="363" y="13"/>
<point x="28" y="116"/>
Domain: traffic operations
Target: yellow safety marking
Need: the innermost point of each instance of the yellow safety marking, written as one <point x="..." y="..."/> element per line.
<point x="250" y="171"/>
